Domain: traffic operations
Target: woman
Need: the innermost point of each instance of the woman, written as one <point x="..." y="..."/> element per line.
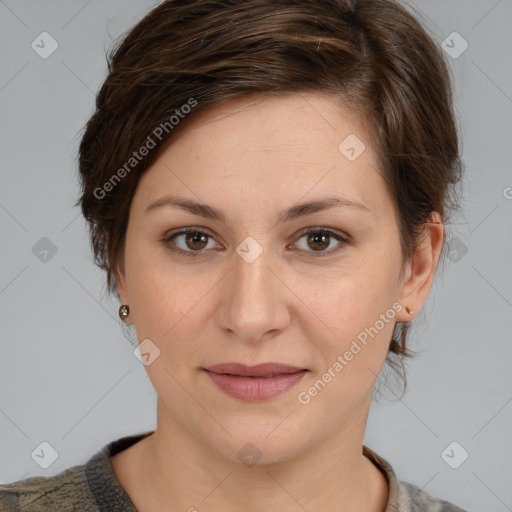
<point x="266" y="187"/>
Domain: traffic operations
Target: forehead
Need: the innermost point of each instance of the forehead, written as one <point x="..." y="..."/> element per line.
<point x="298" y="118"/>
<point x="268" y="147"/>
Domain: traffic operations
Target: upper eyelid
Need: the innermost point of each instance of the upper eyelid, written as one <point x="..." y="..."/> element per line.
<point x="321" y="229"/>
<point x="300" y="233"/>
<point x="184" y="231"/>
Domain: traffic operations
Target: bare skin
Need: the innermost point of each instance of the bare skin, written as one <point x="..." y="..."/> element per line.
<point x="252" y="159"/>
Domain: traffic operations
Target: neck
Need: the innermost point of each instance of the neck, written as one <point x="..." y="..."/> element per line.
<point x="195" y="477"/>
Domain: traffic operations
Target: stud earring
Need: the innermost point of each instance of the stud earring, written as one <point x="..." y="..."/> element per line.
<point x="409" y="310"/>
<point x="124" y="311"/>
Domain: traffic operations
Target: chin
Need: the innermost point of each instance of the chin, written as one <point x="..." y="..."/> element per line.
<point x="256" y="447"/>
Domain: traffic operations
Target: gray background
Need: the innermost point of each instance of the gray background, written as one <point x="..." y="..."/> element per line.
<point x="68" y="375"/>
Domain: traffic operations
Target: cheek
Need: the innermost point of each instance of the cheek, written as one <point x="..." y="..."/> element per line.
<point x="158" y="298"/>
<point x="171" y="310"/>
<point x="348" y="361"/>
<point x="167" y="313"/>
<point x="357" y="314"/>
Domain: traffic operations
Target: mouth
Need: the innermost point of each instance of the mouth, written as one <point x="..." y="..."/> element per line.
<point x="255" y="383"/>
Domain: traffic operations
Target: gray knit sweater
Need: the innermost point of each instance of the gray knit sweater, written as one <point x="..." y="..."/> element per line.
<point x="93" y="487"/>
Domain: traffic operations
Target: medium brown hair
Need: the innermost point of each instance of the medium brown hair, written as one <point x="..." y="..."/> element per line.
<point x="372" y="55"/>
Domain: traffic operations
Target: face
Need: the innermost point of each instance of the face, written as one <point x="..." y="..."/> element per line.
<point x="318" y="289"/>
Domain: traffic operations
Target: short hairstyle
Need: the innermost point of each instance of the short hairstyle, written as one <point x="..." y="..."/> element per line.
<point x="184" y="57"/>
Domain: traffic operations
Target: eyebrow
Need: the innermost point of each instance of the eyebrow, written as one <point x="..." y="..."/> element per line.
<point x="292" y="213"/>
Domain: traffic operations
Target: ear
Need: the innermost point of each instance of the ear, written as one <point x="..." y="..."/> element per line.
<point x="420" y="270"/>
<point x="120" y="279"/>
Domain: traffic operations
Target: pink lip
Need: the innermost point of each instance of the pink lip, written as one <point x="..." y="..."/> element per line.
<point x="249" y="382"/>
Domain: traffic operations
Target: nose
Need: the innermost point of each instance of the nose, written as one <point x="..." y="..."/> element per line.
<point x="254" y="299"/>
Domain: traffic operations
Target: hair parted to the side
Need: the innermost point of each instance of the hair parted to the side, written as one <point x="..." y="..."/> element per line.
<point x="372" y="56"/>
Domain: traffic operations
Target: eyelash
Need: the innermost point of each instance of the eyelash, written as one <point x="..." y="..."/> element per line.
<point x="310" y="231"/>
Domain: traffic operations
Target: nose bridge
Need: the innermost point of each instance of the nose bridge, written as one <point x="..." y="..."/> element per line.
<point x="251" y="276"/>
<point x="251" y="300"/>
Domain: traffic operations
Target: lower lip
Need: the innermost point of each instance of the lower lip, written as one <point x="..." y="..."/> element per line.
<point x="254" y="389"/>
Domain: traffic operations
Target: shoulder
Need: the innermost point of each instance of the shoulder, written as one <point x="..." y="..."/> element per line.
<point x="421" y="501"/>
<point x="63" y="491"/>
<point x="407" y="497"/>
<point x="92" y="486"/>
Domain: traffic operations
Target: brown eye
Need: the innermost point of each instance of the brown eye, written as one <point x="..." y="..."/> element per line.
<point x="319" y="241"/>
<point x="188" y="241"/>
<point x="196" y="241"/>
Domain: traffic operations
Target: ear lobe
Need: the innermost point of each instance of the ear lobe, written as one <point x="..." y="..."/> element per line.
<point x="420" y="271"/>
